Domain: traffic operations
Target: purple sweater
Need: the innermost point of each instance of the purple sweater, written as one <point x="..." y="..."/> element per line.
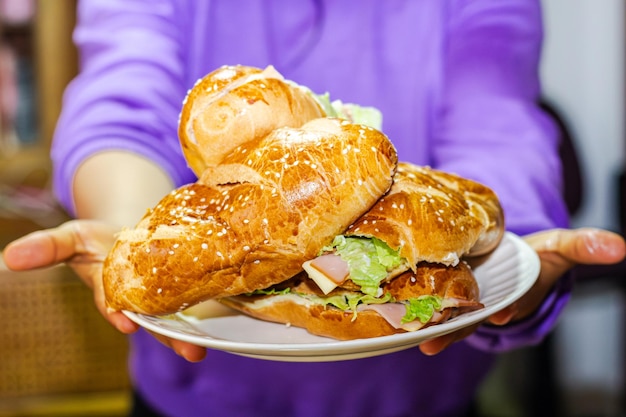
<point x="457" y="82"/>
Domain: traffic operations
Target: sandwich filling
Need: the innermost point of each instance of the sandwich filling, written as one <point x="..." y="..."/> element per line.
<point x="353" y="275"/>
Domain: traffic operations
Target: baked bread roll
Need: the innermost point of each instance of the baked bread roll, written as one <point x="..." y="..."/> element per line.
<point x="251" y="221"/>
<point x="398" y="268"/>
<point x="235" y="104"/>
<point x="434" y="216"/>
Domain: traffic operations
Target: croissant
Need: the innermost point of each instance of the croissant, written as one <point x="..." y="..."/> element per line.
<point x="399" y="267"/>
<point x="251" y="221"/>
<point x="235" y="104"/>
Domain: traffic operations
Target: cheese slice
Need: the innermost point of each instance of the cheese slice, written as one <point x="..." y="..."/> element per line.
<point x="326" y="284"/>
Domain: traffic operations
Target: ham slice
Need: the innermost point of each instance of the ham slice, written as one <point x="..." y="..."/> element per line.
<point x="393" y="313"/>
<point x="332" y="266"/>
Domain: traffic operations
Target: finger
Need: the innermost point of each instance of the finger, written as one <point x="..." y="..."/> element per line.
<point x="581" y="246"/>
<point x="504" y="316"/>
<point x="190" y="352"/>
<point x="43" y="248"/>
<point x="121" y="322"/>
<point x="435" y="346"/>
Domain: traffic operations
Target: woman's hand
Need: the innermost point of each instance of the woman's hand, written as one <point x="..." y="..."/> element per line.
<point x="559" y="250"/>
<point x="83" y="245"/>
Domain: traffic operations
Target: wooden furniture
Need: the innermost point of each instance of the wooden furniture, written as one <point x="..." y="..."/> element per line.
<point x="58" y="356"/>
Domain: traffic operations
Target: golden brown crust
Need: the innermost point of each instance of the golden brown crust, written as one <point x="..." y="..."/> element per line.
<point x="251" y="221"/>
<point x="317" y="319"/>
<point x="484" y="204"/>
<point x="235" y="104"/>
<point x="449" y="282"/>
<point x="433" y="216"/>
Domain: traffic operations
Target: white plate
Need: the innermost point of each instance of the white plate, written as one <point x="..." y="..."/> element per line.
<point x="503" y="277"/>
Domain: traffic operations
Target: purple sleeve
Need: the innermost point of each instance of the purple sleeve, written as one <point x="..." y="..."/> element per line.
<point x="490" y="108"/>
<point x="129" y="90"/>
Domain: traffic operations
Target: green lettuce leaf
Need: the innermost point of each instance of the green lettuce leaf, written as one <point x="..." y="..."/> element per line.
<point x="369" y="260"/>
<point x="422" y="308"/>
<point x="324" y="101"/>
<point x="365" y="115"/>
<point x="349" y="301"/>
<point x="270" y="291"/>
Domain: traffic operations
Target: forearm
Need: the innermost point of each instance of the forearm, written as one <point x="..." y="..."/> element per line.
<point x="118" y="187"/>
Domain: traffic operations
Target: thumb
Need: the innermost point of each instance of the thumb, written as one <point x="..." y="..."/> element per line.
<point x="580" y="246"/>
<point x="40" y="249"/>
<point x="65" y="243"/>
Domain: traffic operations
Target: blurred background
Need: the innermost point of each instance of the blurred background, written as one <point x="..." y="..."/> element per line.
<point x="58" y="357"/>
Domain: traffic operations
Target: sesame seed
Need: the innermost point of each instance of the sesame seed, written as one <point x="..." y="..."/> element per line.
<point x="204" y="246"/>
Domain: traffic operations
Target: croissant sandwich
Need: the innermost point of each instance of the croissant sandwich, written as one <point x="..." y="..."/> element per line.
<point x="251" y="221"/>
<point x="399" y="267"/>
<point x="302" y="215"/>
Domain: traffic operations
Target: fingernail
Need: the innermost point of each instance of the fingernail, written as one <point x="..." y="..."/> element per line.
<point x="598" y="242"/>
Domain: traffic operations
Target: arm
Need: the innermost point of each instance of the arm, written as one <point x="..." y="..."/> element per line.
<point x="118" y="196"/>
<point x="491" y="129"/>
<point x="115" y="150"/>
<point x="127" y="96"/>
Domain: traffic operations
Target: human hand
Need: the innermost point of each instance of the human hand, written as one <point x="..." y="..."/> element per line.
<point x="83" y="246"/>
<point x="559" y="250"/>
